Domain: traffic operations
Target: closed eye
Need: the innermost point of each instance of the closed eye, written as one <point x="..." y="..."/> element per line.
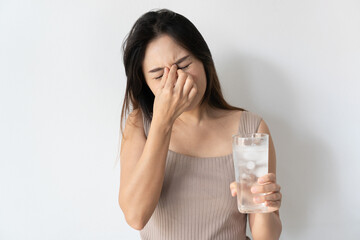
<point x="185" y="66"/>
<point x="182" y="68"/>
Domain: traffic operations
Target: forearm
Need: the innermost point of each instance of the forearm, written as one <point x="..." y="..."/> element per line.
<point x="266" y="226"/>
<point x="142" y="193"/>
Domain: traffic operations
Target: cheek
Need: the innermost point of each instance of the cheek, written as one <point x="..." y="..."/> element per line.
<point x="199" y="77"/>
<point x="153" y="85"/>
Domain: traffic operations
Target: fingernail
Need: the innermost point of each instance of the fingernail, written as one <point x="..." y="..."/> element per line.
<point x="261" y="180"/>
<point x="257" y="199"/>
<point x="253" y="189"/>
<point x="232" y="192"/>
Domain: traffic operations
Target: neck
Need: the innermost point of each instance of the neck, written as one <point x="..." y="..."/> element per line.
<point x="195" y="117"/>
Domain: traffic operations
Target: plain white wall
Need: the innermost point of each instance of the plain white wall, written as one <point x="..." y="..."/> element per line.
<point x="296" y="63"/>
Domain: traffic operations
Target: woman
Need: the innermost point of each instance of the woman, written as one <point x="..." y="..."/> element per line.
<point x="177" y="173"/>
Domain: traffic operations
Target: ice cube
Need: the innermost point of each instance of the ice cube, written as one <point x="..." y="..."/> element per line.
<point x="260" y="171"/>
<point x="251" y="155"/>
<point x="250" y="165"/>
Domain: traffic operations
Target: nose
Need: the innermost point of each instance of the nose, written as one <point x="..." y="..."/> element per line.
<point x="172" y="65"/>
<point x="177" y="67"/>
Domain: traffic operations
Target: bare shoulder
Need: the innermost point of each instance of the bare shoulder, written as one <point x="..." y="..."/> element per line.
<point x="134" y="130"/>
<point x="263" y="127"/>
<point x="134" y="121"/>
<point x="135" y="118"/>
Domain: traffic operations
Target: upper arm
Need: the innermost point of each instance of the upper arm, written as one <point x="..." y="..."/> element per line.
<point x="132" y="145"/>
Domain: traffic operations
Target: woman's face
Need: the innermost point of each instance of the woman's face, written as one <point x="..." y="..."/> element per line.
<point x="163" y="52"/>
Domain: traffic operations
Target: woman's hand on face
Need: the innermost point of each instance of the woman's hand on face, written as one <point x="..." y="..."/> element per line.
<point x="176" y="92"/>
<point x="266" y="185"/>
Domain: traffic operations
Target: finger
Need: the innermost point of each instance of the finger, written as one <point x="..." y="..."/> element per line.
<point x="273" y="204"/>
<point x="180" y="81"/>
<point x="188" y="85"/>
<point x="171" y="77"/>
<point x="233" y="185"/>
<point x="164" y="77"/>
<point x="268" y="197"/>
<point x="266" y="188"/>
<point x="270" y="177"/>
<point x="193" y="92"/>
<point x="233" y="189"/>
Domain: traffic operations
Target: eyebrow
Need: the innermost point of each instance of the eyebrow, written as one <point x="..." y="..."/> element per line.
<point x="177" y="62"/>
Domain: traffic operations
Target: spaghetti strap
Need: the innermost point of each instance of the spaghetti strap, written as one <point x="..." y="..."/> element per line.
<point x="249" y="122"/>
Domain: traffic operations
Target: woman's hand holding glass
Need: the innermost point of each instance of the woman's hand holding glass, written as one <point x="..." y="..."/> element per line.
<point x="175" y="93"/>
<point x="267" y="191"/>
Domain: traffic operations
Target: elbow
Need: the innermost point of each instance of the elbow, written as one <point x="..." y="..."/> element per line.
<point x="133" y="220"/>
<point x="135" y="223"/>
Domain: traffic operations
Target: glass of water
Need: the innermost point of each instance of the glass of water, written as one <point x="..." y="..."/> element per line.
<point x="250" y="154"/>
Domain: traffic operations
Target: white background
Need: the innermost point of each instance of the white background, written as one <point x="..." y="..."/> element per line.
<point x="296" y="63"/>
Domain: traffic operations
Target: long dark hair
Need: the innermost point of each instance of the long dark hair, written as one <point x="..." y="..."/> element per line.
<point x="183" y="32"/>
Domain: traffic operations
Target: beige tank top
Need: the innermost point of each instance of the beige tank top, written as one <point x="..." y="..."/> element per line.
<point x="195" y="201"/>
